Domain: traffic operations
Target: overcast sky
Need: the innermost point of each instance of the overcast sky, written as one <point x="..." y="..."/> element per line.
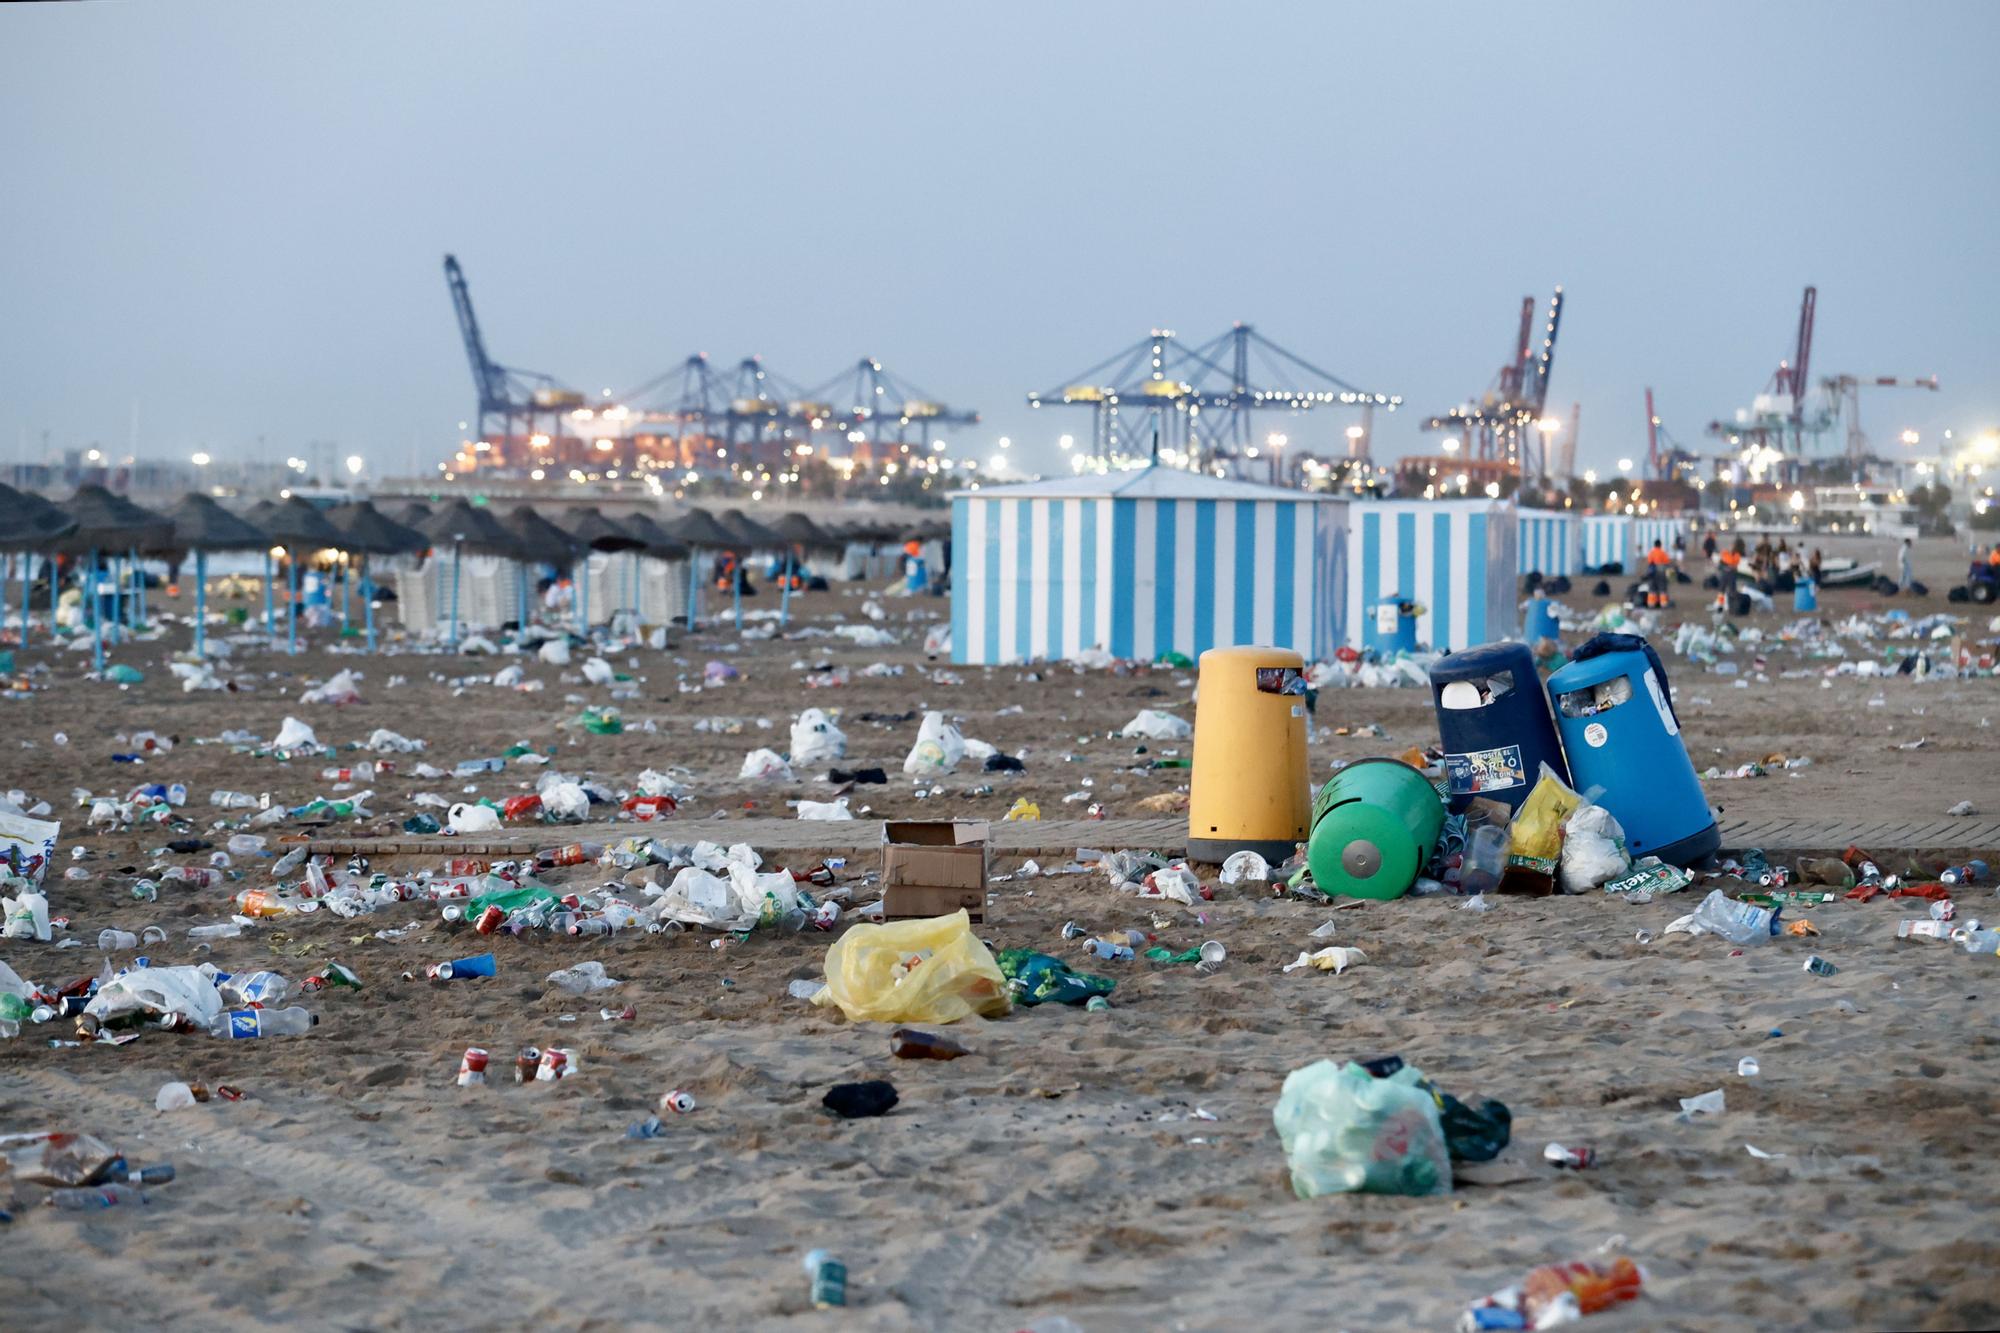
<point x="231" y="217"/>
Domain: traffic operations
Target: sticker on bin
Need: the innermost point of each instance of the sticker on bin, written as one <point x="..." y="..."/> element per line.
<point x="1478" y="771"/>
<point x="1595" y="735"/>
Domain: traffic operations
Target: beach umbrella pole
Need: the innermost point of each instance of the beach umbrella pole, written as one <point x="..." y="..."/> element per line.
<point x="521" y="581"/>
<point x="368" y="602"/>
<point x="96" y="619"/>
<point x="736" y="591"/>
<point x="583" y="596"/>
<point x="346" y="588"/>
<point x="291" y="602"/>
<point x="200" y="602"/>
<point x="785" y="596"/>
<point x="269" y="625"/>
<point x="694" y="584"/>
<point x="27" y="587"/>
<point x="139" y="569"/>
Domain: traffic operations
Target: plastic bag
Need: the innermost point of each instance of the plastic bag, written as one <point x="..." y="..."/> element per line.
<point x="1536" y="840"/>
<point x="466" y="818"/>
<point x="765" y="765"/>
<point x="295" y="735"/>
<point x="815" y="739"/>
<point x="938" y="749"/>
<point x="1593" y="849"/>
<point x="583" y="978"/>
<point x="565" y="802"/>
<point x="933" y="970"/>
<point x="183" y="991"/>
<point x="1153" y="725"/>
<point x="1245" y="865"/>
<point x="1346" y="1131"/>
<point x="834" y="809"/>
<point x="1037" y="978"/>
<point x="555" y="652"/>
<point x="342" y="689"/>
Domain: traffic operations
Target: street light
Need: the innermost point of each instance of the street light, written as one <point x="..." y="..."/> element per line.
<point x="1910" y="438"/>
<point x="354" y="465"/>
<point x="1066" y="443"/>
<point x="1624" y="465"/>
<point x="200" y="460"/>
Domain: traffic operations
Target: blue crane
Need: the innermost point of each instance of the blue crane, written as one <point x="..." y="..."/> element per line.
<point x="505" y="394"/>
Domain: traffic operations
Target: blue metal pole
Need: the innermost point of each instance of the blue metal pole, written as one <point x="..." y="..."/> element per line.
<point x="135" y="607"/>
<point x="521" y="581"/>
<point x="346" y="588"/>
<point x="457" y="555"/>
<point x="736" y="590"/>
<point x="117" y="597"/>
<point x="270" y="625"/>
<point x="139" y="568"/>
<point x="583" y="596"/>
<point x="96" y="619"/>
<point x="291" y="601"/>
<point x="368" y="602"/>
<point x="27" y="587"/>
<point x="55" y="591"/>
<point x="785" y="597"/>
<point x="200" y="602"/>
<point x="694" y="584"/>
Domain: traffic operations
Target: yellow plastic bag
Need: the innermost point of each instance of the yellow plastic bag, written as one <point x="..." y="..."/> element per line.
<point x="932" y="970"/>
<point x="1536" y="841"/>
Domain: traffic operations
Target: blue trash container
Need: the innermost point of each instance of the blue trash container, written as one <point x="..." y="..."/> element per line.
<point x="1805" y="597"/>
<point x="1494" y="721"/>
<point x="1617" y="723"/>
<point x="1541" y="622"/>
<point x="1390" y="626"/>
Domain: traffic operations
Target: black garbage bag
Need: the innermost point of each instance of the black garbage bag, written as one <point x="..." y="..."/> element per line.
<point x="857" y="1101"/>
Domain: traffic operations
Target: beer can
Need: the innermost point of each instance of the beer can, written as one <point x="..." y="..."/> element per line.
<point x="465" y="865"/>
<point x="489" y="921"/>
<point x="1942" y="910"/>
<point x="472" y="1067"/>
<point x="526" y="1063"/>
<point x="680" y="1103"/>
<point x="555" y="1064"/>
<point x="1570" y="1159"/>
<point x="1819" y="967"/>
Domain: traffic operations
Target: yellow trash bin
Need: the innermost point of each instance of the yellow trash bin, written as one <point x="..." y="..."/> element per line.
<point x="1250" y="789"/>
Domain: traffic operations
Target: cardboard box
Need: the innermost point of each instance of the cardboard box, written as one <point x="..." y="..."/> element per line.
<point x="934" y="867"/>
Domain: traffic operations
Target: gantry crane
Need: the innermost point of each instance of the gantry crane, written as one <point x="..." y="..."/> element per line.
<point x="1502" y="425"/>
<point x="505" y="395"/>
<point x="1847" y="389"/>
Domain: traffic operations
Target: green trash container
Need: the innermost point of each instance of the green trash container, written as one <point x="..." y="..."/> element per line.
<point x="1373" y="828"/>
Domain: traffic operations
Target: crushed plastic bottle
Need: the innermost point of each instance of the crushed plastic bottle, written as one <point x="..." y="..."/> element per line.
<point x="246" y="1023"/>
<point x="1737" y="922"/>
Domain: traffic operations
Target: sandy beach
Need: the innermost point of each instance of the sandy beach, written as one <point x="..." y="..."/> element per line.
<point x="1058" y="1170"/>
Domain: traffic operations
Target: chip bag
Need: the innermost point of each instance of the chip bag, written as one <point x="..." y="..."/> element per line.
<point x="933" y="970"/>
<point x="1536" y="843"/>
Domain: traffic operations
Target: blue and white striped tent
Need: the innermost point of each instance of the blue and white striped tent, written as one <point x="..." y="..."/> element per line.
<point x="1456" y="558"/>
<point x="1624" y="539"/>
<point x="1551" y="541"/>
<point x="1140" y="562"/>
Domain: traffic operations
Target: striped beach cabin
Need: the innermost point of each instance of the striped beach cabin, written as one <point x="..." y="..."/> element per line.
<point x="1624" y="539"/>
<point x="1551" y="541"/>
<point x="1141" y="562"/>
<point x="1456" y="558"/>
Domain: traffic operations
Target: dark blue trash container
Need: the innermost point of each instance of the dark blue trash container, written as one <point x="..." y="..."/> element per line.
<point x="1494" y="721"/>
<point x="1618" y="726"/>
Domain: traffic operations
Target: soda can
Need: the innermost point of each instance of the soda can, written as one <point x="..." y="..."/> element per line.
<point x="472" y="1067"/>
<point x="489" y="921"/>
<point x="829" y="1280"/>
<point x="680" y="1103"/>
<point x="526" y="1063"/>
<point x="1942" y="910"/>
<point x="1915" y="928"/>
<point x="1819" y="967"/>
<point x="465" y="865"/>
<point x="1570" y="1159"/>
<point x="554" y="1065"/>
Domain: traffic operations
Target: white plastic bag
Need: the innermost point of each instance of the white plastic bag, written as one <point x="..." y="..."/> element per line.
<point x="566" y="801"/>
<point x="1245" y="865"/>
<point x="939" y="747"/>
<point x="1153" y="725"/>
<point x="466" y="818"/>
<point x="815" y="740"/>
<point x="834" y="809"/>
<point x="598" y="671"/>
<point x="583" y="978"/>
<point x="555" y="652"/>
<point x="765" y="766"/>
<point x="342" y="689"/>
<point x="1593" y="849"/>
<point x="183" y="991"/>
<point x="295" y="735"/>
<point x="384" y="741"/>
<point x="27" y="917"/>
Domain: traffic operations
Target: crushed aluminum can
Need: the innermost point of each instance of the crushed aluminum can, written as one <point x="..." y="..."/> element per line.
<point x="489" y="921"/>
<point x="472" y="1067"/>
<point x="1570" y="1159"/>
<point x="677" y="1102"/>
<point x="1819" y="967"/>
<point x="1942" y="910"/>
<point x="526" y="1063"/>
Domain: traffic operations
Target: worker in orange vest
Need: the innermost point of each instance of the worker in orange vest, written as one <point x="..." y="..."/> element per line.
<point x="1657" y="561"/>
<point x="1731" y="559"/>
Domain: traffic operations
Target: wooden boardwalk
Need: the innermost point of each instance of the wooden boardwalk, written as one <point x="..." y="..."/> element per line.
<point x="1061" y="837"/>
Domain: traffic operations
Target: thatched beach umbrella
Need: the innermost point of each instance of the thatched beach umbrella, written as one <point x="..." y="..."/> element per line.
<point x="368" y="532"/>
<point x="295" y="524"/>
<point x="200" y="526"/>
<point x="698" y="528"/>
<point x="107" y="522"/>
<point x="33" y="524"/>
<point x="541" y="542"/>
<point x="465" y="527"/>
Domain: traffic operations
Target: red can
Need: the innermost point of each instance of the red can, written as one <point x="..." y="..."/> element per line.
<point x="472" y="1067"/>
<point x="465" y="865"/>
<point x="490" y="920"/>
<point x="555" y="1064"/>
<point x="1570" y="1159"/>
<point x="526" y="1063"/>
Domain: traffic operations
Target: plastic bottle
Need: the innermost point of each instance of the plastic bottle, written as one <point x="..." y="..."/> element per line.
<point x="467" y="768"/>
<point x="804" y="990"/>
<point x="910" y="1044"/>
<point x="195" y="877"/>
<point x="289" y="862"/>
<point x="261" y="903"/>
<point x="221" y="930"/>
<point x="1594" y="1286"/>
<point x="1982" y="941"/>
<point x="116" y="941"/>
<point x="242" y="1023"/>
<point x="97" y="1196"/>
<point x="232" y="800"/>
<point x="1739" y="923"/>
<point x="1485" y="860"/>
<point x="246" y="844"/>
<point x="254" y="989"/>
<point x="570" y="854"/>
